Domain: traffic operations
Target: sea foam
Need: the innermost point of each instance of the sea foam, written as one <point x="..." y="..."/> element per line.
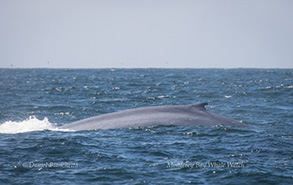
<point x="29" y="125"/>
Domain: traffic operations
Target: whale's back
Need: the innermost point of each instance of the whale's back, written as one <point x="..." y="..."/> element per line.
<point x="186" y="115"/>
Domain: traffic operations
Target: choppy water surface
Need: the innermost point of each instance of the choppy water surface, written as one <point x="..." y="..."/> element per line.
<point x="33" y="102"/>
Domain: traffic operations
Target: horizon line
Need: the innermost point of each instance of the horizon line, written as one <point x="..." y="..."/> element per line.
<point x="146" y="68"/>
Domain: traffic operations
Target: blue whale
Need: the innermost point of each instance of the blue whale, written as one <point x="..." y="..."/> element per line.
<point x="184" y="115"/>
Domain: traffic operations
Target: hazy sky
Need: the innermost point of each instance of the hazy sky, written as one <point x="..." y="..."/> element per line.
<point x="146" y="33"/>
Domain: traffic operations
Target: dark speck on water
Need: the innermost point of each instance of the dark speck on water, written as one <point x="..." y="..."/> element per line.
<point x="33" y="102"/>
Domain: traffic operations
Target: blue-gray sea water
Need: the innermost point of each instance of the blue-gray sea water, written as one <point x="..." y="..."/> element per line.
<point x="33" y="102"/>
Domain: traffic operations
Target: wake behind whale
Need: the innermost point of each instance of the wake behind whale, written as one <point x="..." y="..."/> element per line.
<point x="184" y="115"/>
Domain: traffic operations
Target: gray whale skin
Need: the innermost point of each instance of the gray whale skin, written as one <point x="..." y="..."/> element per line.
<point x="184" y="115"/>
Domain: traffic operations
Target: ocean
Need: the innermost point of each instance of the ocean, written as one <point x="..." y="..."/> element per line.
<point x="34" y="102"/>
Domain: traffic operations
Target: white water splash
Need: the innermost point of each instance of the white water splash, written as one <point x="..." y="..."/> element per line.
<point x="29" y="125"/>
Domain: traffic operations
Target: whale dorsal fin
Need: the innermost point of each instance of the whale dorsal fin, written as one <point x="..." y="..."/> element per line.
<point x="200" y="106"/>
